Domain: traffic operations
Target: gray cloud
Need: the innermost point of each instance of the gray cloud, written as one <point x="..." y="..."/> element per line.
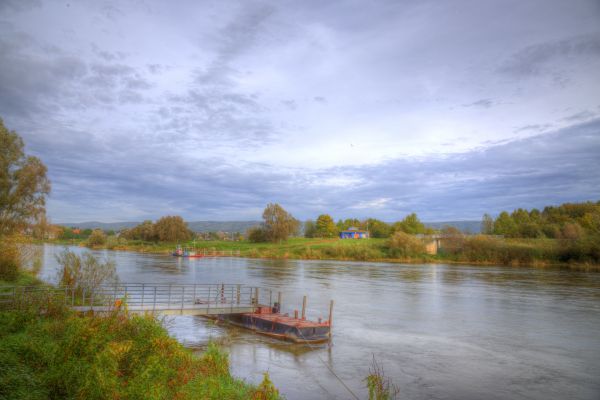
<point x="536" y="59"/>
<point x="140" y="111"/>
<point x="483" y="103"/>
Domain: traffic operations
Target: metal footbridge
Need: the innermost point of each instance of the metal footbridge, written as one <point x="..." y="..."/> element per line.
<point x="141" y="298"/>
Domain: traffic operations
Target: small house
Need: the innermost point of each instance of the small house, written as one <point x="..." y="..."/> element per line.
<point x="354" y="233"/>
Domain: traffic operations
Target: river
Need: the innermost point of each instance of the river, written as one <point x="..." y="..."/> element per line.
<point x="438" y="331"/>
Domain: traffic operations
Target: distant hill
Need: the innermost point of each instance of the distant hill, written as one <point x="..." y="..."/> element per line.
<point x="196" y="226"/>
<point x="464" y="226"/>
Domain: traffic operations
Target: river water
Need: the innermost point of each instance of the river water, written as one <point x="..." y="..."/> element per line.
<point x="438" y="331"/>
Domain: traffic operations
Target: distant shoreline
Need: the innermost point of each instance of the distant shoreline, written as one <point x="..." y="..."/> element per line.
<point x="318" y="249"/>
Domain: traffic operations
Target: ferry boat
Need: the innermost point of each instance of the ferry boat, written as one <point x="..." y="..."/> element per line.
<point x="268" y="321"/>
<point x="185" y="252"/>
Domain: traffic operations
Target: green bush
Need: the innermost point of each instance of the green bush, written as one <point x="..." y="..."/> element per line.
<point x="113" y="357"/>
<point x="402" y="244"/>
<point x="10" y="259"/>
<point x="97" y="238"/>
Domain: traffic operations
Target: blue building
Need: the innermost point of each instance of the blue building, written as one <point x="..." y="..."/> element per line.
<point x="354" y="233"/>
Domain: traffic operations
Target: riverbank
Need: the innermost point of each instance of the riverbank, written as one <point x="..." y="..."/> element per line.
<point x="475" y="250"/>
<point x="48" y="351"/>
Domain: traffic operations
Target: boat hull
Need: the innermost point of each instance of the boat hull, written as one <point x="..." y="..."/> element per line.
<point x="282" y="327"/>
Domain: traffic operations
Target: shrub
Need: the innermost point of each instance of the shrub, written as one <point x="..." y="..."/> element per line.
<point x="10" y="261"/>
<point x="256" y="235"/>
<point x="402" y="244"/>
<point x="97" y="238"/>
<point x="84" y="272"/>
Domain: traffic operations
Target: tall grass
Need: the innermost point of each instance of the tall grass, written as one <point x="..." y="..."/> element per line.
<point x="61" y="355"/>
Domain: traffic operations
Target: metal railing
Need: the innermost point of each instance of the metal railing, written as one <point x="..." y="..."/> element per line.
<point x="198" y="299"/>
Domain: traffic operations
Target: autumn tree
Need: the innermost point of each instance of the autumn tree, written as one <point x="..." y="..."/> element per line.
<point x="97" y="238"/>
<point x="377" y="228"/>
<point x="410" y="224"/>
<point x="172" y="229"/>
<point x="505" y="225"/>
<point x="278" y="224"/>
<point x="144" y="231"/>
<point x="23" y="184"/>
<point x="325" y="227"/>
<point x="310" y="229"/>
<point x="487" y="224"/>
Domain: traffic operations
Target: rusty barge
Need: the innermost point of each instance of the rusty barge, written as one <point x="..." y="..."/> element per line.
<point x="271" y="322"/>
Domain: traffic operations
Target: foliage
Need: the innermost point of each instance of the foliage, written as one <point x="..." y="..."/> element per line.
<point x="380" y="387"/>
<point x="18" y="258"/>
<point x="84" y="272"/>
<point x="23" y="184"/>
<point x="325" y="227"/>
<point x="10" y="262"/>
<point x="65" y="356"/>
<point x="172" y="229"/>
<point x="452" y="240"/>
<point x="144" y="231"/>
<point x="256" y="235"/>
<point x="567" y="221"/>
<point x="97" y="238"/>
<point x="166" y="229"/>
<point x="266" y="390"/>
<point x="401" y="244"/>
<point x="278" y="223"/>
<point x="487" y="224"/>
<point x="410" y="224"/>
<point x="348" y="223"/>
<point x="377" y="228"/>
<point x="310" y="229"/>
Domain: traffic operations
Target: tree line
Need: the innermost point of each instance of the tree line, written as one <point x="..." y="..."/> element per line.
<point x="567" y="221"/>
<point x="325" y="227"/>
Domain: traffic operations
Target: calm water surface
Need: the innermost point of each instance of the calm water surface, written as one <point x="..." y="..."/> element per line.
<point x="439" y="331"/>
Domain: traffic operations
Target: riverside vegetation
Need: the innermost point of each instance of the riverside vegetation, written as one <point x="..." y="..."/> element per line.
<point x="568" y="234"/>
<point x="48" y="351"/>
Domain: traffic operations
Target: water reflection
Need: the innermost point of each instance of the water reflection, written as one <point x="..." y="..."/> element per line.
<point x="439" y="331"/>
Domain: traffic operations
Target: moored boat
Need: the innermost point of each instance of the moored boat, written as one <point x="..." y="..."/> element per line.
<point x="268" y="321"/>
<point x="185" y="252"/>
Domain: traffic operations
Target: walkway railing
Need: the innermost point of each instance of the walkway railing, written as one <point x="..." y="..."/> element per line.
<point x="193" y="299"/>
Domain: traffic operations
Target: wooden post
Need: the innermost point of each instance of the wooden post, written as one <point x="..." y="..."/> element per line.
<point x="304" y="307"/>
<point x="154" y="301"/>
<point x="330" y="315"/>
<point x="237" y="297"/>
<point x="279" y="300"/>
<point x="295" y="314"/>
<point x="182" y="297"/>
<point x="257" y="296"/>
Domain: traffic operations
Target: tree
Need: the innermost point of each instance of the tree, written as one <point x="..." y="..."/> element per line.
<point x="278" y="223"/>
<point x="97" y="238"/>
<point x="377" y="228"/>
<point x="144" y="231"/>
<point x="23" y="184"/>
<point x="505" y="225"/>
<point x="325" y="226"/>
<point x="487" y="224"/>
<point x="172" y="229"/>
<point x="410" y="224"/>
<point x="310" y="229"/>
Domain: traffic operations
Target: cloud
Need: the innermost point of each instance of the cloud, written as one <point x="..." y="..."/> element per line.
<point x="483" y="103"/>
<point x="142" y="111"/>
<point x="536" y="59"/>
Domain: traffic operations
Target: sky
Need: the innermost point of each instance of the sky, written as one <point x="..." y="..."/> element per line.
<point x="212" y="109"/>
